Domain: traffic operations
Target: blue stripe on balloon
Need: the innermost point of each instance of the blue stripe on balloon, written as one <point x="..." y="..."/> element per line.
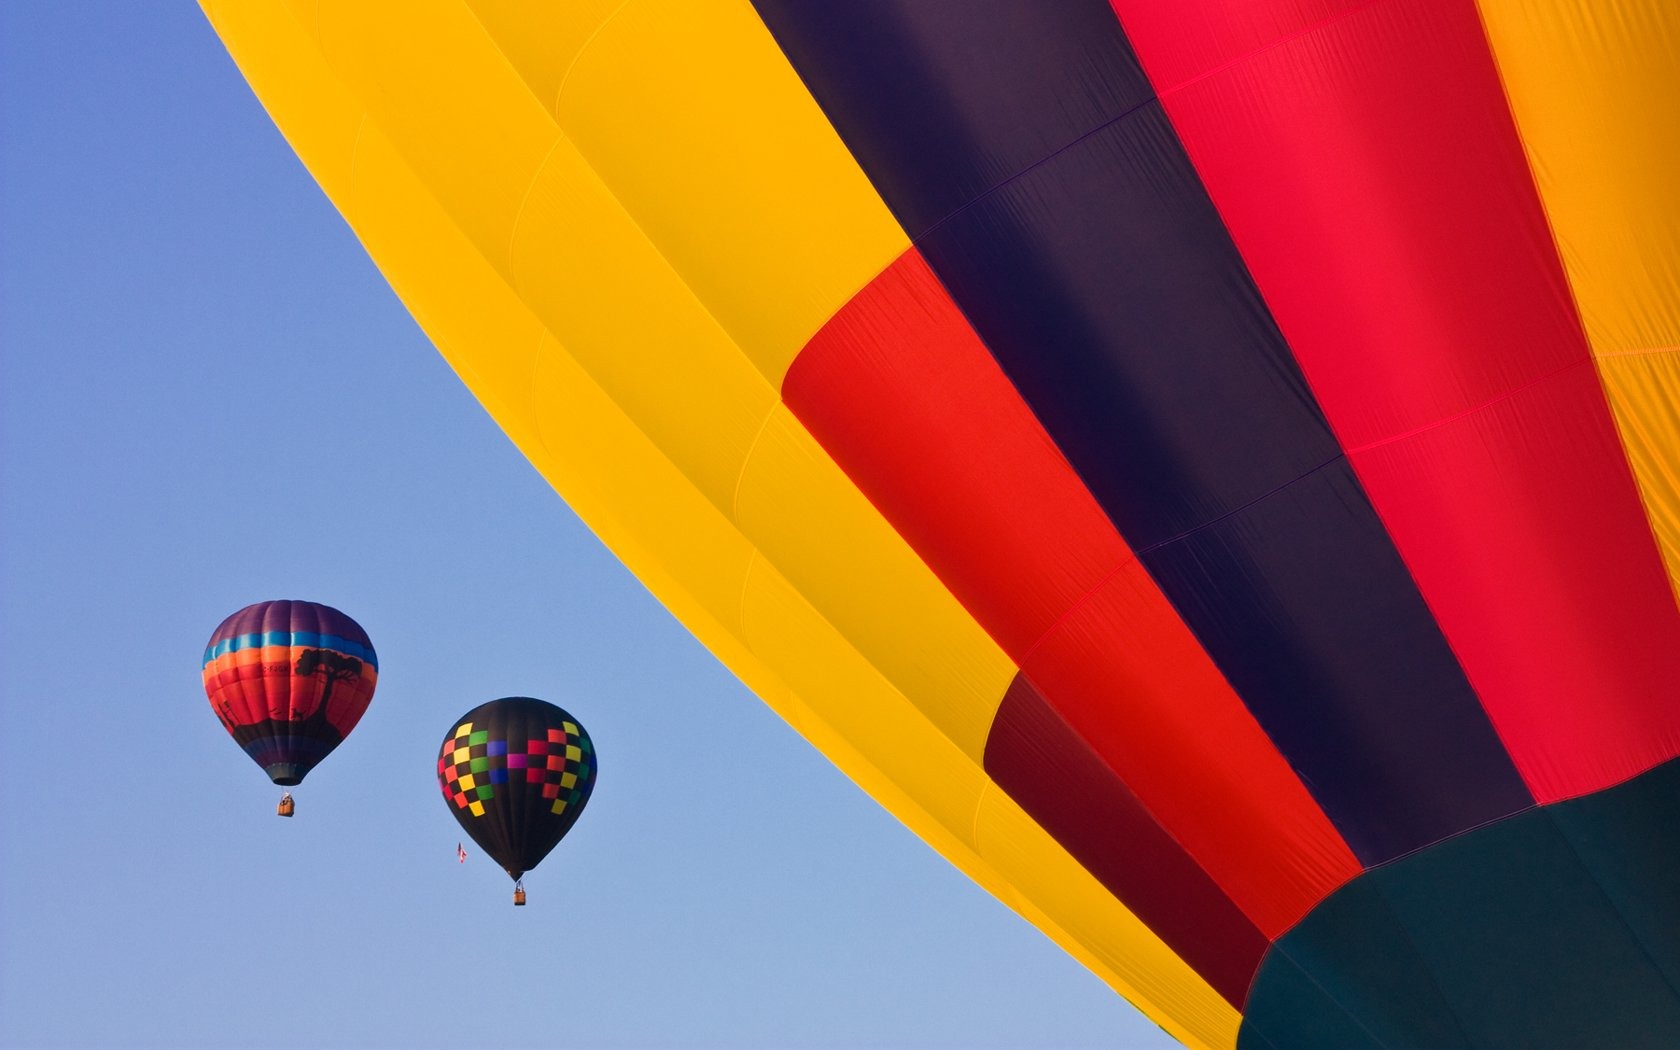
<point x="292" y="638"/>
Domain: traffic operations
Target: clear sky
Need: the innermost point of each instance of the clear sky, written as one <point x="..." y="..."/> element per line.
<point x="209" y="397"/>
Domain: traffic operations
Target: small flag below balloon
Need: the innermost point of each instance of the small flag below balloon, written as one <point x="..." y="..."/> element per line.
<point x="460" y="854"/>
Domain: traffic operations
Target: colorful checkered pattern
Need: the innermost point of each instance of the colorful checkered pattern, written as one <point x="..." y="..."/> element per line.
<point x="472" y="765"/>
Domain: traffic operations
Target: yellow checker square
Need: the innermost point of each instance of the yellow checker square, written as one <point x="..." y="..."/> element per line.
<point x="574" y="752"/>
<point x="568" y="780"/>
<point x="570" y="728"/>
<point x="467" y="782"/>
<point x="558" y="807"/>
<point x="477" y="809"/>
<point x="462" y="754"/>
<point x="464" y="729"/>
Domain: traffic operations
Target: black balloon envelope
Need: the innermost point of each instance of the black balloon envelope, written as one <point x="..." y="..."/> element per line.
<point x="516" y="772"/>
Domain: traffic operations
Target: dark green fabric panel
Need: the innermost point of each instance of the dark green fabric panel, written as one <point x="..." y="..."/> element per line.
<point x="1556" y="927"/>
<point x="1524" y="943"/>
<point x="1347" y="976"/>
<point x="1630" y="839"/>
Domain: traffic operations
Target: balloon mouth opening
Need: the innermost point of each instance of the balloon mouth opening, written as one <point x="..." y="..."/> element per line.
<point x="286" y="774"/>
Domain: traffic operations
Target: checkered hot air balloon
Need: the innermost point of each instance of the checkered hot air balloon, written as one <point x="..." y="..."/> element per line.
<point x="289" y="680"/>
<point x="516" y="772"/>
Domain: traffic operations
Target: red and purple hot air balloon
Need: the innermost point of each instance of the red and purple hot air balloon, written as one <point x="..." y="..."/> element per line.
<point x="289" y="680"/>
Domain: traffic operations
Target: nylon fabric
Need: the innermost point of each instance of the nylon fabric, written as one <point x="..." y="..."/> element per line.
<point x="1434" y="324"/>
<point x="684" y="546"/>
<point x="1594" y="90"/>
<point x="621" y="222"/>
<point x="1103" y="281"/>
<point x="1595" y="96"/>
<point x="999" y="515"/>
<point x="1556" y="927"/>
<point x="1055" y="775"/>
<point x="589" y="270"/>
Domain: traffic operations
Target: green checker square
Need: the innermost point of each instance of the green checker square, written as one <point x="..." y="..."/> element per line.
<point x="485" y="791"/>
<point x="583" y="770"/>
<point x="480" y="737"/>
<point x="479" y="765"/>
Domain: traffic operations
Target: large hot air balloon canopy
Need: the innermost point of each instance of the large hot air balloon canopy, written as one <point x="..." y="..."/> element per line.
<point x="1206" y="466"/>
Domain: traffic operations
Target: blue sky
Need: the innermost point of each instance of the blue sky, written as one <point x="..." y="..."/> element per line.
<point x="209" y="397"/>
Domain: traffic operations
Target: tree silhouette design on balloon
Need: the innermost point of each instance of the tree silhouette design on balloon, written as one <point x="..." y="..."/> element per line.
<point x="288" y="679"/>
<point x="335" y="668"/>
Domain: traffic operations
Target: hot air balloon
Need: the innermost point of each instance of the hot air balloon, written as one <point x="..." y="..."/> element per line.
<point x="517" y="772"/>
<point x="1206" y="466"/>
<point x="289" y="680"/>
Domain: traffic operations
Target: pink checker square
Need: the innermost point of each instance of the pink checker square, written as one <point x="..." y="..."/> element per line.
<point x="516" y="761"/>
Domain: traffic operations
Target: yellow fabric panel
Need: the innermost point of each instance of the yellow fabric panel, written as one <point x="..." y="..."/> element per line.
<point x="632" y="323"/>
<point x="673" y="517"/>
<point x="832" y="534"/>
<point x="687" y="112"/>
<point x="303" y="11"/>
<point x="767" y="191"/>
<point x="605" y="292"/>
<point x="1595" y="90"/>
<point x="851" y="698"/>
<point x="585" y="268"/>
<point x="771" y="221"/>
<point x="455" y="292"/>
<point x="1058" y="896"/>
<point x="680" y="542"/>
<point x="983" y="831"/>
<point x="449" y="102"/>
<point x="1644" y="390"/>
<point x="542" y="40"/>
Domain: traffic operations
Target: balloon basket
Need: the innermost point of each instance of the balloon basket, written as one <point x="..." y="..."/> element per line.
<point x="286" y="806"/>
<point x="519" y="896"/>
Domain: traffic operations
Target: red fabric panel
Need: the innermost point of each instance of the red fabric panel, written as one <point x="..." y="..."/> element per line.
<point x="1369" y="173"/>
<point x="1038" y="759"/>
<point x="1601" y="681"/>
<point x="900" y="392"/>
<point x="1139" y="689"/>
<point x="903" y="395"/>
